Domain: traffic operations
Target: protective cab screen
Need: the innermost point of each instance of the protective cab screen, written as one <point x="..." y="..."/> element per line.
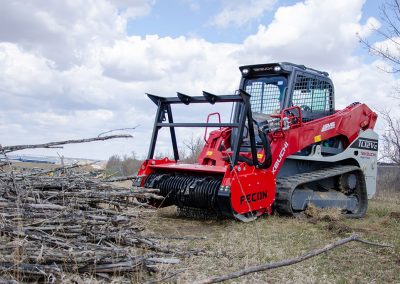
<point x="266" y="93"/>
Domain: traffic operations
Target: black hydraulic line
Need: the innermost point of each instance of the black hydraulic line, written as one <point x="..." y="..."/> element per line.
<point x="242" y="120"/>
<point x="252" y="137"/>
<point x="267" y="151"/>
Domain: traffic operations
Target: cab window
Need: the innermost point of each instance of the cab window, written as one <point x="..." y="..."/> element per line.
<point x="266" y="93"/>
<point x="312" y="94"/>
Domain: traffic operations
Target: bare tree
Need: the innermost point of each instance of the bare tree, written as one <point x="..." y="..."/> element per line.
<point x="390" y="149"/>
<point x="194" y="145"/>
<point x="389" y="35"/>
<point x="123" y="166"/>
<point x="388" y="49"/>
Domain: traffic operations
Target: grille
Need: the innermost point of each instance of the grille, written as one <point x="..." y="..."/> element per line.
<point x="264" y="97"/>
<point x="312" y="95"/>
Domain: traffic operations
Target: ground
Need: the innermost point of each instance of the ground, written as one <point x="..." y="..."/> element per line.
<point x="231" y="245"/>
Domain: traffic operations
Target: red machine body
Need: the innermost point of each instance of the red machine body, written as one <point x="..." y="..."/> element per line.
<point x="244" y="188"/>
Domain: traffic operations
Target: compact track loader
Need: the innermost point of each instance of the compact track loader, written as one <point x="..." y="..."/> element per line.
<point x="286" y="147"/>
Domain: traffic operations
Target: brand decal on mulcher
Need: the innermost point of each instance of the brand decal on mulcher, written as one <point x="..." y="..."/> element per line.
<point x="280" y="157"/>
<point x="253" y="197"/>
<point x="366" y="144"/>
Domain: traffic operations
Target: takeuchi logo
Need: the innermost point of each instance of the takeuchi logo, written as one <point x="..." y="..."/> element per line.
<point x="280" y="157"/>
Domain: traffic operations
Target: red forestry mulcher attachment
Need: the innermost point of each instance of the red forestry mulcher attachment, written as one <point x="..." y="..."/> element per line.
<point x="285" y="147"/>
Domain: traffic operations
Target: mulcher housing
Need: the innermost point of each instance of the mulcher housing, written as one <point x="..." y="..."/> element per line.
<point x="285" y="148"/>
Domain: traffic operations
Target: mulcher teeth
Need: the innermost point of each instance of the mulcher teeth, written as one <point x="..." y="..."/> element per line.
<point x="195" y="213"/>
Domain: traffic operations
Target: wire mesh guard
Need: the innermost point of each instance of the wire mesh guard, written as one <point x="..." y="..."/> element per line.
<point x="312" y="95"/>
<point x="265" y="97"/>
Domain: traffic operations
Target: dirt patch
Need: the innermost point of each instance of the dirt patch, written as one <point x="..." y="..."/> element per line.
<point x="394" y="215"/>
<point x="323" y="214"/>
<point x="339" y="228"/>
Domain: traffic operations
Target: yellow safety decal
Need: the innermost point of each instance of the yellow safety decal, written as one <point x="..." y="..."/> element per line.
<point x="317" y="138"/>
<point x="209" y="153"/>
<point x="260" y="155"/>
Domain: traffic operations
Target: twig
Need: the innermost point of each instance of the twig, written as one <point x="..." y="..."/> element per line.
<point x="76" y="165"/>
<point x="8" y="149"/>
<point x="122" y="178"/>
<point x="374" y="244"/>
<point x="286" y="262"/>
<point x="119" y="129"/>
<point x="166" y="277"/>
<point x="10" y="166"/>
<point x="175" y="238"/>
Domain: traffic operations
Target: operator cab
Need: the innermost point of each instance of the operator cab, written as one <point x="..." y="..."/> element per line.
<point x="276" y="86"/>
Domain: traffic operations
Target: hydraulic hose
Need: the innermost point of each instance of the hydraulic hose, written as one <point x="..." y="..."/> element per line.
<point x="267" y="152"/>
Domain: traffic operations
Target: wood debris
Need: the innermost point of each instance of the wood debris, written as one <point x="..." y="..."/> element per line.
<point x="53" y="225"/>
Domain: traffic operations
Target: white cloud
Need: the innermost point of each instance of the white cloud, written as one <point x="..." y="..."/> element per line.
<point x="66" y="31"/>
<point x="174" y="62"/>
<point x="42" y="103"/>
<point x="75" y="73"/>
<point x="390" y="47"/>
<point x="365" y="83"/>
<point x="314" y="32"/>
<point x="240" y="13"/>
<point x="368" y="84"/>
<point x="370" y="26"/>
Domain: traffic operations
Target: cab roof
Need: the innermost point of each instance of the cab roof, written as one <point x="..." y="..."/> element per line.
<point x="278" y="68"/>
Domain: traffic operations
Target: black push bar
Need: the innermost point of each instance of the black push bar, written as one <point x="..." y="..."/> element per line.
<point x="164" y="113"/>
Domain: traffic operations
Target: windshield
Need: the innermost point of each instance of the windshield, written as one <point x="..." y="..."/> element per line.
<point x="266" y="93"/>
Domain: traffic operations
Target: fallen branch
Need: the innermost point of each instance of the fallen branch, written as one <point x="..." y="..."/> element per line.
<point x="119" y="129"/>
<point x="8" y="149"/>
<point x="286" y="262"/>
<point x="121" y="178"/>
<point x="169" y="275"/>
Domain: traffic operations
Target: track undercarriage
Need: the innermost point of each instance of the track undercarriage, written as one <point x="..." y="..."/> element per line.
<point x="340" y="187"/>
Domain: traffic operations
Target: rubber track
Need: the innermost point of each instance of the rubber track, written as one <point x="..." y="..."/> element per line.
<point x="285" y="186"/>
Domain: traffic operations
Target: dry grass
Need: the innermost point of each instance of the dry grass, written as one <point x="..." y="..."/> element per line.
<point x="232" y="245"/>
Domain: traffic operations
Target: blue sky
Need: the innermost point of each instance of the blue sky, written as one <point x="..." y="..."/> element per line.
<point x="176" y="18"/>
<point x="74" y="69"/>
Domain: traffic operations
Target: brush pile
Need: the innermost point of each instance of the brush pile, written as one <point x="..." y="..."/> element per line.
<point x="74" y="223"/>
